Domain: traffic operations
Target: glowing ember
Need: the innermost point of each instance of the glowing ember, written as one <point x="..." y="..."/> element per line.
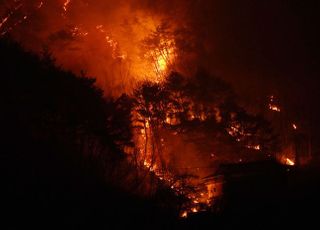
<point x="274" y="108"/>
<point x="65" y="5"/>
<point x="4" y="21"/>
<point x="294" y="126"/>
<point x="289" y="162"/>
<point x="147" y="164"/>
<point x="194" y="210"/>
<point x="184" y="214"/>
<point x="112" y="43"/>
<point x="255" y="147"/>
<point x="40" y="5"/>
<point x="16" y="16"/>
<point x="273" y="105"/>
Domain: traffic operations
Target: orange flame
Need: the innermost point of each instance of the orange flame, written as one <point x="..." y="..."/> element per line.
<point x="194" y="210"/>
<point x="65" y="5"/>
<point x="4" y="21"/>
<point x="289" y="162"/>
<point x="184" y="214"/>
<point x="274" y="108"/>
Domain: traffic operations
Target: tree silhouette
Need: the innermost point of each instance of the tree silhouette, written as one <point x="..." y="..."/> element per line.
<point x="62" y="146"/>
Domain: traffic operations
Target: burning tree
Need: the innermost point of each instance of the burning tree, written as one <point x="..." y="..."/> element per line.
<point x="185" y="127"/>
<point x="159" y="48"/>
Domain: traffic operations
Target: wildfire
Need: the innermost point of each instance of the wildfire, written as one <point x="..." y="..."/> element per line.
<point x="294" y="126"/>
<point x="157" y="59"/>
<point x="112" y="43"/>
<point x="198" y="200"/>
<point x="14" y="16"/>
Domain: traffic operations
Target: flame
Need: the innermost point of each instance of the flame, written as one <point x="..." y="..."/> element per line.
<point x="112" y="43"/>
<point x="272" y="105"/>
<point x="122" y="37"/>
<point x="161" y="63"/>
<point x="4" y="20"/>
<point x="165" y="56"/>
<point x="77" y="31"/>
<point x="184" y="214"/>
<point x="255" y="147"/>
<point x="40" y="5"/>
<point x="162" y="57"/>
<point x="289" y="162"/>
<point x="13" y="13"/>
<point x="65" y="5"/>
<point x="294" y="126"/>
<point x="194" y="210"/>
<point x="274" y="108"/>
<point x="197" y="200"/>
<point x="158" y="60"/>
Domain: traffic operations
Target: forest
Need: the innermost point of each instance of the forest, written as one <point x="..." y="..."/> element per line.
<point x="73" y="157"/>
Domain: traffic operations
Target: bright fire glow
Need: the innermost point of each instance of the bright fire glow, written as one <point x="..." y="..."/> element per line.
<point x="161" y="63"/>
<point x="294" y="126"/>
<point x="272" y="105"/>
<point x="40" y="5"/>
<point x="274" y="108"/>
<point x="255" y="147"/>
<point x="194" y="210"/>
<point x="184" y="214"/>
<point x="65" y="5"/>
<point x="112" y="43"/>
<point x="289" y="162"/>
<point x="115" y="48"/>
<point x="162" y="57"/>
<point x="4" y="21"/>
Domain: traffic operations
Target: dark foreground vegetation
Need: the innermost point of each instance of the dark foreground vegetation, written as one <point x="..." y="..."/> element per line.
<point x="61" y="163"/>
<point x="59" y="155"/>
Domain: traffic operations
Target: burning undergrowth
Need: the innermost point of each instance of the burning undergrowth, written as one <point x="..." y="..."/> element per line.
<point x="184" y="128"/>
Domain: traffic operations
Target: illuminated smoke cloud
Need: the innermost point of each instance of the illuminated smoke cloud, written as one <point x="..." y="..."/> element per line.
<point x="117" y="42"/>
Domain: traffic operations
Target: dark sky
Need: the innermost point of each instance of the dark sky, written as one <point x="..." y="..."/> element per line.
<point x="273" y="42"/>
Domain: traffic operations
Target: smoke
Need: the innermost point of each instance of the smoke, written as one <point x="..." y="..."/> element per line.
<point x="260" y="47"/>
<point x="252" y="45"/>
<point x="88" y="36"/>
